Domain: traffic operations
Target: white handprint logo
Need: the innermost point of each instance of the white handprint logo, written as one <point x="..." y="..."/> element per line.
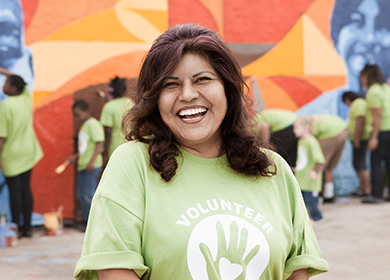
<point x="225" y="247"/>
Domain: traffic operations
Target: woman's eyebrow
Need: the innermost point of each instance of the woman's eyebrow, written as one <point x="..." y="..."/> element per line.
<point x="202" y="72"/>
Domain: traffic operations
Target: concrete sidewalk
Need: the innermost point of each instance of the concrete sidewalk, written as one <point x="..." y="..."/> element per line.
<point x="354" y="239"/>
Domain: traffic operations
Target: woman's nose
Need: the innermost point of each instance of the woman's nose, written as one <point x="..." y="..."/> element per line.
<point x="188" y="93"/>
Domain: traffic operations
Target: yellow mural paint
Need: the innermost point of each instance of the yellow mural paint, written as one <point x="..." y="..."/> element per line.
<point x="72" y="58"/>
<point x="135" y="23"/>
<point x="159" y="19"/>
<point x="102" y="26"/>
<point x="286" y="58"/>
<point x="320" y="57"/>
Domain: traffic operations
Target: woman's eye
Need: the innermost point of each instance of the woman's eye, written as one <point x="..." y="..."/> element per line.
<point x="203" y="79"/>
<point x="170" y="85"/>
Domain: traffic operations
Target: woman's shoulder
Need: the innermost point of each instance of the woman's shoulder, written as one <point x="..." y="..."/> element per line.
<point x="277" y="159"/>
<point x="131" y="147"/>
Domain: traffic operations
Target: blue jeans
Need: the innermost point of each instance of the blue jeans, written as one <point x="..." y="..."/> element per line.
<point x="86" y="187"/>
<point x="311" y="202"/>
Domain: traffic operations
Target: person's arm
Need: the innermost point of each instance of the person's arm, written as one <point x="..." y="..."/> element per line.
<point x="2" y="140"/>
<point x="300" y="274"/>
<point x="107" y="142"/>
<point x="96" y="151"/>
<point x="376" y="125"/>
<point x="5" y="72"/>
<point x="265" y="132"/>
<point x="118" y="274"/>
<point x="313" y="174"/>
<point x="359" y="129"/>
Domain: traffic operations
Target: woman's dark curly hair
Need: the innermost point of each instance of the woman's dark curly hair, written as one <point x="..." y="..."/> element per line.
<point x="144" y="123"/>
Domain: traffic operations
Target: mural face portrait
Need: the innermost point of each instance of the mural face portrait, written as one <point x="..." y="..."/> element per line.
<point x="360" y="31"/>
<point x="11" y="25"/>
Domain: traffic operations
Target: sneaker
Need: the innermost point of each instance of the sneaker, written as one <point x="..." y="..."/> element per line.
<point x="359" y="193"/>
<point x="372" y="199"/>
<point x="329" y="200"/>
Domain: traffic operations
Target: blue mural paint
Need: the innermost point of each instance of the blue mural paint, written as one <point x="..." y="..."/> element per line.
<point x="15" y="56"/>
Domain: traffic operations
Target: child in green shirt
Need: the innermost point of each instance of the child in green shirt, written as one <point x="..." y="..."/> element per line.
<point x="90" y="147"/>
<point x="309" y="165"/>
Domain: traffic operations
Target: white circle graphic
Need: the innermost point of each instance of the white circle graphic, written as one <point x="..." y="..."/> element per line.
<point x="302" y="159"/>
<point x="234" y="246"/>
<point x="83" y="142"/>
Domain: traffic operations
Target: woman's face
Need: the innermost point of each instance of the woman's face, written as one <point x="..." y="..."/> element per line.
<point x="193" y="104"/>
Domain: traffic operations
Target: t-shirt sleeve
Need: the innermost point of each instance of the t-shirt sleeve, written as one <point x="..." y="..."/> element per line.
<point x="96" y="131"/>
<point x="316" y="152"/>
<point x="3" y="121"/>
<point x="106" y="118"/>
<point x="374" y="97"/>
<point x="359" y="108"/>
<point x="304" y="251"/>
<point x="114" y="233"/>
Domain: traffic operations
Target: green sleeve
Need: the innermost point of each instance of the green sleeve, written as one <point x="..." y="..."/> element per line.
<point x="316" y="151"/>
<point x="96" y="131"/>
<point x="359" y="107"/>
<point x="106" y="118"/>
<point x="374" y="96"/>
<point x="3" y="121"/>
<point x="115" y="227"/>
<point x="305" y="251"/>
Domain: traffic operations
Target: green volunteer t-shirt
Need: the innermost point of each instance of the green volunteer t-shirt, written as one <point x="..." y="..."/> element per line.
<point x="327" y="126"/>
<point x="277" y="119"/>
<point x="207" y="220"/>
<point x="359" y="108"/>
<point x="309" y="153"/>
<point x="90" y="133"/>
<point x="379" y="96"/>
<point x="112" y="117"/>
<point x="21" y="149"/>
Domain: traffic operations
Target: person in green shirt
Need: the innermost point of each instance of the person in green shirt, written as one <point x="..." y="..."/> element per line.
<point x="378" y="102"/>
<point x="359" y="127"/>
<point x="331" y="132"/>
<point x="111" y="117"/>
<point x="89" y="164"/>
<point x="19" y="149"/>
<point x="276" y="127"/>
<point x="193" y="194"/>
<point x="309" y="166"/>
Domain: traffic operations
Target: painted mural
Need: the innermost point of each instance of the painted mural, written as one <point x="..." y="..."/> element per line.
<point x="295" y="54"/>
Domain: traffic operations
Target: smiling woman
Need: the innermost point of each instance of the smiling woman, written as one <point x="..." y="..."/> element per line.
<point x="194" y="194"/>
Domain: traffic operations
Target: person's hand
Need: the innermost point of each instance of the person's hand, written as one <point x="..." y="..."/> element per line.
<point x="356" y="144"/>
<point x="313" y="175"/>
<point x="228" y="255"/>
<point x="90" y="166"/>
<point x="72" y="159"/>
<point x="372" y="144"/>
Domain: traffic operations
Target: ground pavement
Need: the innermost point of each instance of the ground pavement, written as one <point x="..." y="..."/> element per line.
<point x="354" y="239"/>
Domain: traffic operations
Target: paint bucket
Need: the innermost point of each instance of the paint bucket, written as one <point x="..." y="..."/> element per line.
<point x="54" y="222"/>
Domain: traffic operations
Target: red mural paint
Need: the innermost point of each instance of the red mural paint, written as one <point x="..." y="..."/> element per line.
<point x="190" y="11"/>
<point x="301" y="92"/>
<point x="54" y="128"/>
<point x="245" y="21"/>
<point x="29" y="8"/>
